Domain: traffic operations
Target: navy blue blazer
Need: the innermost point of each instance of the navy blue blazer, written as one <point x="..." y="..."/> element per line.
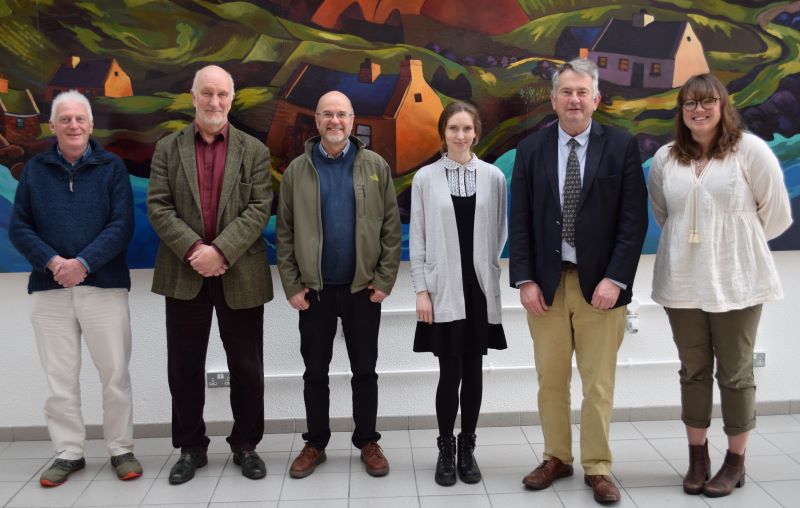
<point x="611" y="221"/>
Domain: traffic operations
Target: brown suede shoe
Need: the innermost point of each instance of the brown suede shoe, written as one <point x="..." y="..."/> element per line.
<point x="307" y="461"/>
<point x="547" y="472"/>
<point x="372" y="456"/>
<point x="604" y="489"/>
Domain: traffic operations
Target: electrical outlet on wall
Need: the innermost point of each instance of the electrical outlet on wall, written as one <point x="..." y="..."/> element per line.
<point x="759" y="359"/>
<point x="218" y="379"/>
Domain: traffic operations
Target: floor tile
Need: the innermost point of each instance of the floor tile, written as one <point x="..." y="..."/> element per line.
<point x="786" y="442"/>
<point x="749" y="496"/>
<point x="424" y="438"/>
<point x="777" y="423"/>
<point x="276" y="443"/>
<point x="425" y="458"/>
<point x="277" y="464"/>
<point x="427" y="486"/>
<point x="218" y="444"/>
<point x="216" y="464"/>
<point x="151" y="467"/>
<point x="102" y="492"/>
<point x="9" y="490"/>
<point x="533" y="433"/>
<point x="4" y="445"/>
<point x="28" y="450"/>
<point x="33" y="494"/>
<point x="317" y="486"/>
<point x="250" y="504"/>
<point x="95" y="448"/>
<point x="651" y="473"/>
<point x="399" y="459"/>
<point x="313" y="503"/>
<point x="633" y="449"/>
<point x="756" y="444"/>
<point x="197" y="490"/>
<point x="241" y="489"/>
<point x="623" y="430"/>
<point x="469" y="501"/>
<point x="13" y="470"/>
<point x="385" y="502"/>
<point x="396" y="484"/>
<point x="584" y="498"/>
<point x="661" y="429"/>
<point x="153" y="446"/>
<point x="664" y="497"/>
<point x="504" y="480"/>
<point x="527" y="499"/>
<point x="505" y="456"/>
<point x="394" y="439"/>
<point x="786" y="492"/>
<point x="772" y="468"/>
<point x="487" y="436"/>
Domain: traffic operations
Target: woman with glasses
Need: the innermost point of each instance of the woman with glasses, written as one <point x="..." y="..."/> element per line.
<point x="458" y="229"/>
<point x="718" y="194"/>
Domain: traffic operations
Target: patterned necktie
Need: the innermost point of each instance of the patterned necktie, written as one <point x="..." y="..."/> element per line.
<point x="572" y="194"/>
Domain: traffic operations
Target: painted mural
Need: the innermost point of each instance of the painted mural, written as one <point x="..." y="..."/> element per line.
<point x="401" y="61"/>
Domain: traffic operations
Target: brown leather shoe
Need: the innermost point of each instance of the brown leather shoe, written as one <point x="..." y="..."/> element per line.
<point x="372" y="456"/>
<point x="604" y="489"/>
<point x="547" y="472"/>
<point x="729" y="476"/>
<point x="699" y="469"/>
<point x="307" y="461"/>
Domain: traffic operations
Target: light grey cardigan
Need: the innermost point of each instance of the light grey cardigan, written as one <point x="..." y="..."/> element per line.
<point x="433" y="241"/>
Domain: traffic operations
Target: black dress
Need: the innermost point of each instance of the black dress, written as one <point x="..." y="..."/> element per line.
<point x="474" y="334"/>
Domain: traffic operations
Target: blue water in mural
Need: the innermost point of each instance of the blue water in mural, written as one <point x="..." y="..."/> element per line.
<point x="142" y="250"/>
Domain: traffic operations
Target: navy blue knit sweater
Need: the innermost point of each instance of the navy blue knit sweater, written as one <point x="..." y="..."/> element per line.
<point x="83" y="212"/>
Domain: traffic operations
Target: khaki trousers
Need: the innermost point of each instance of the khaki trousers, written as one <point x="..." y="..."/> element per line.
<point x="573" y="325"/>
<point x="60" y="317"/>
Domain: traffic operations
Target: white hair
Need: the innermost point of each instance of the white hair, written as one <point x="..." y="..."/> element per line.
<point x="197" y="75"/>
<point x="70" y="96"/>
<point x="579" y="66"/>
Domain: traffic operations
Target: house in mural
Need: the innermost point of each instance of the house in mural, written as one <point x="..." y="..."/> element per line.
<point x="395" y="114"/>
<point x="645" y="53"/>
<point x="92" y="78"/>
<point x="19" y="115"/>
<point x="575" y="41"/>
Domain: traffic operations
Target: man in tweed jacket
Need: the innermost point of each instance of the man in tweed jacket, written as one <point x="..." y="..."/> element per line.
<point x="209" y="199"/>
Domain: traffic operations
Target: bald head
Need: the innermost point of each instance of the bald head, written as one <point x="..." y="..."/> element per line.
<point x="213" y="71"/>
<point x="334" y="119"/>
<point x="212" y="96"/>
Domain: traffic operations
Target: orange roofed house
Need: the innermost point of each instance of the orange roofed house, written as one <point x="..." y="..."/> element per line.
<point x="395" y="115"/>
<point x="19" y="115"/>
<point x="94" y="78"/>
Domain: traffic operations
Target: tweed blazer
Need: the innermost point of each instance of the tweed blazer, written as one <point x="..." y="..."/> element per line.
<point x="173" y="207"/>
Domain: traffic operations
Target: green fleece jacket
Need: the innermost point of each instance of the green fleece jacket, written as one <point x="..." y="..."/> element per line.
<point x="299" y="229"/>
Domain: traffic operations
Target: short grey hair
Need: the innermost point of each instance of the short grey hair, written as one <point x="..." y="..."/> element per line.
<point x="197" y="76"/>
<point x="70" y="96"/>
<point x="579" y="66"/>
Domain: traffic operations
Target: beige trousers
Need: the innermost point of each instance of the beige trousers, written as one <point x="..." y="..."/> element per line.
<point x="573" y="325"/>
<point x="102" y="316"/>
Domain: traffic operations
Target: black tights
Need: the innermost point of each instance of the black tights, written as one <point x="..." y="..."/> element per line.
<point x="466" y="371"/>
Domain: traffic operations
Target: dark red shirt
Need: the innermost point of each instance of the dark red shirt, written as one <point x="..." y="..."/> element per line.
<point x="211" y="159"/>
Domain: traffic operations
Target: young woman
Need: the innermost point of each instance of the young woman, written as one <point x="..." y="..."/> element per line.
<point x="718" y="194"/>
<point x="458" y="229"/>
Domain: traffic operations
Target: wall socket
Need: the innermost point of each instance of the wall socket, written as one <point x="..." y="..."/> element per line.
<point x="759" y="359"/>
<point x="220" y="379"/>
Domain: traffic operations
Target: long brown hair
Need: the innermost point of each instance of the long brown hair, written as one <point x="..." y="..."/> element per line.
<point x="458" y="107"/>
<point x="729" y="130"/>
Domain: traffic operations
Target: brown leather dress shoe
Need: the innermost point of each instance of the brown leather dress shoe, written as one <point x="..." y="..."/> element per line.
<point x="372" y="456"/>
<point x="604" y="489"/>
<point x="307" y="461"/>
<point x="548" y="471"/>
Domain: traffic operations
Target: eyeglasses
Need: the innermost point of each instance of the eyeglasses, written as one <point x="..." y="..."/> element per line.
<point x="691" y="104"/>
<point x="341" y="115"/>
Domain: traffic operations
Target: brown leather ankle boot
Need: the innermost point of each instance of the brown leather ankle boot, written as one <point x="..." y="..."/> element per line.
<point x="699" y="469"/>
<point x="730" y="475"/>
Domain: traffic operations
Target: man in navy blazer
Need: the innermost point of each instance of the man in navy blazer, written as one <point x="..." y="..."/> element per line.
<point x="577" y="225"/>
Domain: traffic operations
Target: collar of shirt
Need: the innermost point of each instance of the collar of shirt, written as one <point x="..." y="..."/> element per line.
<point x="341" y="154"/>
<point x="82" y="158"/>
<point x="219" y="136"/>
<point x="449" y="163"/>
<point x="582" y="138"/>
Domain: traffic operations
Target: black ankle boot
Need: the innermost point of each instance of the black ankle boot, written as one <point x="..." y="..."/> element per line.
<point x="468" y="469"/>
<point x="446" y="463"/>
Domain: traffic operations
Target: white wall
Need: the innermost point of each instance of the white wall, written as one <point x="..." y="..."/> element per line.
<point x="403" y="390"/>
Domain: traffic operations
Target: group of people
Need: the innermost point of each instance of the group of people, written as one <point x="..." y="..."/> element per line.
<point x="576" y="226"/>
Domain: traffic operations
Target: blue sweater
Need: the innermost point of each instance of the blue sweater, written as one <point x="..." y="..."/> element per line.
<point x="338" y="209"/>
<point x="86" y="212"/>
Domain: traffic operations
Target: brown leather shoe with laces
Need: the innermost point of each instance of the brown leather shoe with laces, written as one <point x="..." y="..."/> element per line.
<point x="372" y="456"/>
<point x="604" y="489"/>
<point x="548" y="471"/>
<point x="307" y="461"/>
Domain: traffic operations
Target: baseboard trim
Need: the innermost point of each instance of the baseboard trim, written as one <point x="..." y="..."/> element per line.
<point x="413" y="422"/>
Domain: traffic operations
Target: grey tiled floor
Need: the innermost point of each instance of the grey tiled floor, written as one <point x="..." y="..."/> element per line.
<point x="649" y="459"/>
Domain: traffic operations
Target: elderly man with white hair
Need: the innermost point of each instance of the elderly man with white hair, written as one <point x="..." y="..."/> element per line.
<point x="72" y="220"/>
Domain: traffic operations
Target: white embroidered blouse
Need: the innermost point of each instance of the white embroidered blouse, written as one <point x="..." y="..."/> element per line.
<point x="713" y="253"/>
